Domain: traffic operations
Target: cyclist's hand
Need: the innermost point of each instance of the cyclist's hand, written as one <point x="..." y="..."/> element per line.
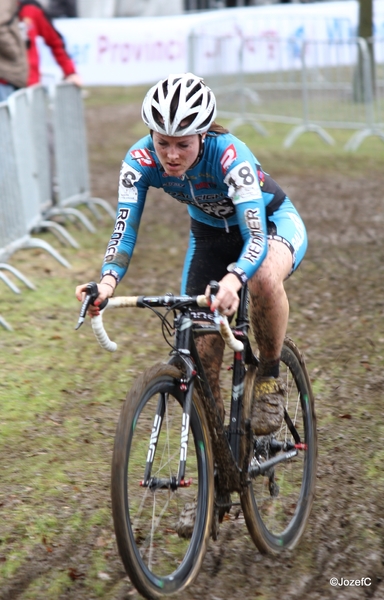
<point x="105" y="289"/>
<point x="226" y="300"/>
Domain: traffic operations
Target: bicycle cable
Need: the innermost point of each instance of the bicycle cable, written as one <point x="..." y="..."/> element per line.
<point x="166" y="327"/>
<point x="171" y="328"/>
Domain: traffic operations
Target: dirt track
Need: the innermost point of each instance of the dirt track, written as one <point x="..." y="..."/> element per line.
<point x="337" y="315"/>
<point x="337" y="312"/>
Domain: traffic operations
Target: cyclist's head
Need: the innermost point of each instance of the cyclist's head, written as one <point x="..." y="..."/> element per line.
<point x="179" y="105"/>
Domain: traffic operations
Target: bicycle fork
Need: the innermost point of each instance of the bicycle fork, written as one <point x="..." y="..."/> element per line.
<point x="186" y="386"/>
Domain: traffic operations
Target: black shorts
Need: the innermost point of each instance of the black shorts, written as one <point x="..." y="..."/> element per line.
<point x="211" y="250"/>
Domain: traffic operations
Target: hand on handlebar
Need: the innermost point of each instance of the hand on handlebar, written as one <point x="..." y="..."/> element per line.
<point x="226" y="300"/>
<point x="94" y="297"/>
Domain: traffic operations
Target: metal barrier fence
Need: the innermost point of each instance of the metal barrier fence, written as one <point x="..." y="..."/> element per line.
<point x="374" y="74"/>
<point x="378" y="51"/>
<point x="31" y="151"/>
<point x="40" y="114"/>
<point x="31" y="142"/>
<point x="38" y="107"/>
<point x="14" y="222"/>
<point x="71" y="154"/>
<point x="311" y="85"/>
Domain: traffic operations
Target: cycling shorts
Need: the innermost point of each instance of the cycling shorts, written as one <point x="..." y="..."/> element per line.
<point x="211" y="249"/>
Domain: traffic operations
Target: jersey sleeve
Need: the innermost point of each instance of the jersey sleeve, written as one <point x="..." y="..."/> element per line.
<point x="246" y="195"/>
<point x="133" y="187"/>
<point x="52" y="38"/>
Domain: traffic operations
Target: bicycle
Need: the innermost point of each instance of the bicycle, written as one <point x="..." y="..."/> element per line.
<point x="158" y="475"/>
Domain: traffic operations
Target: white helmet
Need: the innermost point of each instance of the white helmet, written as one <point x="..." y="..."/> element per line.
<point x="179" y="105"/>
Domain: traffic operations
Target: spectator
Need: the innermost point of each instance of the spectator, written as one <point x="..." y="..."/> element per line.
<point x="38" y="23"/>
<point x="13" y="60"/>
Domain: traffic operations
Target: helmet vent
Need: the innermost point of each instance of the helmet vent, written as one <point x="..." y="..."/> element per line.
<point x="175" y="103"/>
<point x="208" y="120"/>
<point x="194" y="91"/>
<point x="157" y="117"/>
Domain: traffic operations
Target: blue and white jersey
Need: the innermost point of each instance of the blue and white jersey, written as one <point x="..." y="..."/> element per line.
<point x="226" y="187"/>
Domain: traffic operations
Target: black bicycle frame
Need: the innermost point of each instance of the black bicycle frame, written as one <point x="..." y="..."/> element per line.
<point x="225" y="441"/>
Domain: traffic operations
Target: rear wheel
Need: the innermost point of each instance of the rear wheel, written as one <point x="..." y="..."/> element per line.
<point x="158" y="555"/>
<point x="277" y="504"/>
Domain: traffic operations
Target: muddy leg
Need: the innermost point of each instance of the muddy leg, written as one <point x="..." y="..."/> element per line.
<point x="211" y="350"/>
<point x="269" y="305"/>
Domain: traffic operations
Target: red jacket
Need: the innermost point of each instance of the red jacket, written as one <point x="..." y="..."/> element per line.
<point x="38" y="24"/>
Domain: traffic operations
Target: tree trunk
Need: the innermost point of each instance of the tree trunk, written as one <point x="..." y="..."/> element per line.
<point x="365" y="30"/>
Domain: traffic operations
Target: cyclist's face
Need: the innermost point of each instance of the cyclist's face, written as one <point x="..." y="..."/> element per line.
<point x="176" y="154"/>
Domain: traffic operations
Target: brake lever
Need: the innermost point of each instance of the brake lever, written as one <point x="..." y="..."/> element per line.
<point x="92" y="293"/>
<point x="214" y="288"/>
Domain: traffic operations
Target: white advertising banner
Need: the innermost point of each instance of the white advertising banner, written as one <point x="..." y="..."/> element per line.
<point x="142" y="50"/>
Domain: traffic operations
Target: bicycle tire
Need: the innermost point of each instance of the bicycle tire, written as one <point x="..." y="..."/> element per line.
<point x="157" y="559"/>
<point x="277" y="505"/>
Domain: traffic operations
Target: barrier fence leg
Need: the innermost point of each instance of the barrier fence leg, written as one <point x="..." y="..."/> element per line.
<point x="4" y="323"/>
<point x="58" y="229"/>
<point x="72" y="212"/>
<point x="9" y="283"/>
<point x="298" y="131"/>
<point x="105" y="205"/>
<point x="37" y="243"/>
<point x="17" y="274"/>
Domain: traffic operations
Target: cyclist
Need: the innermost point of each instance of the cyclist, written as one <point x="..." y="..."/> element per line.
<point x="239" y="214"/>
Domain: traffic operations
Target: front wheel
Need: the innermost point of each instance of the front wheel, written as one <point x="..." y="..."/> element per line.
<point x="161" y="555"/>
<point x="277" y="504"/>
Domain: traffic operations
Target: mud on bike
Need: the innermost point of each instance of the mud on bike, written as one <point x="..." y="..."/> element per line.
<point x="173" y="453"/>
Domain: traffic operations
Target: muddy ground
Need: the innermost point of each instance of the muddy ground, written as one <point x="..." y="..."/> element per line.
<point x="337" y="312"/>
<point x="337" y="319"/>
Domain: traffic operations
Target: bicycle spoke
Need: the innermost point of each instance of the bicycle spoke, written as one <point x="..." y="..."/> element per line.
<point x="150" y="543"/>
<point x="278" y="503"/>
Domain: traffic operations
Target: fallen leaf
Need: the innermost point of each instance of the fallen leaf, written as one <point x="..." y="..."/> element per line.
<point x="75" y="574"/>
<point x="100" y="542"/>
<point x="366" y="365"/>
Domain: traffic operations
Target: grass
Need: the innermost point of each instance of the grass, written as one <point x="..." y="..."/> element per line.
<point x="113" y="96"/>
<point x="50" y="422"/>
<point x="309" y="152"/>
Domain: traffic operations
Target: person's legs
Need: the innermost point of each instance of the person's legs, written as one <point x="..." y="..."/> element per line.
<point x="269" y="305"/>
<point x="211" y="350"/>
<point x="210" y="252"/>
<point x="287" y="243"/>
<point x="269" y="318"/>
